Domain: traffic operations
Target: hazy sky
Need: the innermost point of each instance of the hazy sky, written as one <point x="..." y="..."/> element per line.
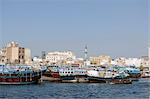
<point x="111" y="27"/>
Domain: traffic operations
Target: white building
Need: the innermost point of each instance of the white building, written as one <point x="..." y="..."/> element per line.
<point x="59" y="57"/>
<point x="137" y="62"/>
<point x="37" y="60"/>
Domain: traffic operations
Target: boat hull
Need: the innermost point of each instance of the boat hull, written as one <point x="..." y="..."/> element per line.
<point x="20" y="75"/>
<point x="74" y="79"/>
<point x="121" y="81"/>
<point x="96" y="80"/>
<point x="21" y="80"/>
<point x="18" y="83"/>
<point x="110" y="80"/>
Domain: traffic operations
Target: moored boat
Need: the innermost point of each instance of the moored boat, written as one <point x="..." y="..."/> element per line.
<point x="134" y="73"/>
<point x="73" y="74"/>
<point x="19" y="74"/>
<point x="145" y="72"/>
<point x="52" y="71"/>
<point x="107" y="76"/>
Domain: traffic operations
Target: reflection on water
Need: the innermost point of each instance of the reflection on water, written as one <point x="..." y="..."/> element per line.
<point x="137" y="90"/>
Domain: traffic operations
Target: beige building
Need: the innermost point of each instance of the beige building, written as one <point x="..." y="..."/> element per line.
<point x="27" y="56"/>
<point x="60" y="57"/>
<point x="101" y="60"/>
<point x="121" y="61"/>
<point x="2" y="55"/>
<point x="15" y="54"/>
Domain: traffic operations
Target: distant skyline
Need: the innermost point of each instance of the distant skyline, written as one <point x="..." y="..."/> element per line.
<point x="110" y="27"/>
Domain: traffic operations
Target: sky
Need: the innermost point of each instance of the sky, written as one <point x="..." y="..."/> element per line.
<point x="108" y="27"/>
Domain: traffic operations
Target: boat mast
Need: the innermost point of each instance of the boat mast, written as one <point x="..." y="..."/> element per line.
<point x="3" y="70"/>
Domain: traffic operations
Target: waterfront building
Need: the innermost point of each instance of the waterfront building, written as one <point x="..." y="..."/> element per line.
<point x="137" y="62"/>
<point x="37" y="59"/>
<point x="121" y="61"/>
<point x="100" y="60"/>
<point x="95" y="60"/>
<point x="2" y="55"/>
<point x="60" y="57"/>
<point x="145" y="61"/>
<point x="27" y="55"/>
<point x="78" y="62"/>
<point x="14" y="54"/>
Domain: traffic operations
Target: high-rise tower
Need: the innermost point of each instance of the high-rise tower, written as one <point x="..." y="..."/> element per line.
<point x="85" y="55"/>
<point x="149" y="55"/>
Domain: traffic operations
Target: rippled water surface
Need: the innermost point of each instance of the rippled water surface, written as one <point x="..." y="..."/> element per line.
<point x="137" y="90"/>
